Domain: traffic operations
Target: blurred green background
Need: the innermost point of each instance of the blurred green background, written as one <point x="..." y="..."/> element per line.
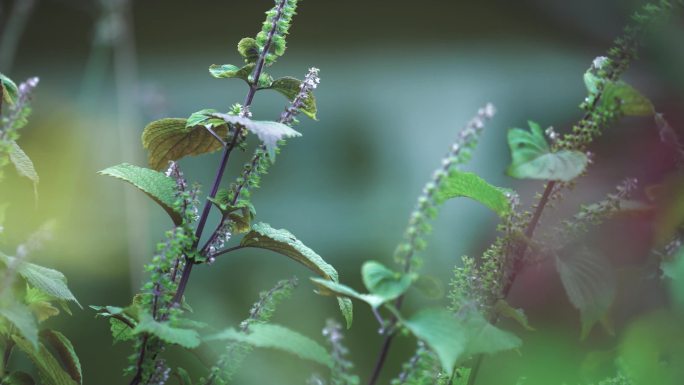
<point x="399" y="79"/>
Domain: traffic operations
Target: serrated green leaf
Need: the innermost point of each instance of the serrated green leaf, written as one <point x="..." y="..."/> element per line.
<point x="281" y="338"/>
<point x="455" y="338"/>
<point x="24" y="165"/>
<point x="39" y="303"/>
<point x="18" y="378"/>
<point x="281" y="241"/>
<point x="518" y="315"/>
<point x="20" y="316"/>
<point x="10" y="92"/>
<point x="290" y="87"/>
<point x="65" y="351"/>
<point x="174" y="138"/>
<point x="590" y="283"/>
<point x="49" y="369"/>
<point x="383" y="282"/>
<point x="532" y="157"/>
<point x="229" y="71"/>
<point x="47" y="280"/>
<point x="347" y="309"/>
<point x="248" y="49"/>
<point x="470" y="185"/>
<point x="327" y="287"/>
<point x="159" y="187"/>
<point x="627" y="99"/>
<point x="268" y="132"/>
<point x="186" y="338"/>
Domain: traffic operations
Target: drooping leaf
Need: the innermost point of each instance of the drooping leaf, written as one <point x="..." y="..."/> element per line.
<point x="518" y="315"/>
<point x="290" y="87"/>
<point x="229" y="71"/>
<point x="383" y="282"/>
<point x="268" y="132"/>
<point x="39" y="303"/>
<point x="281" y="241"/>
<point x="454" y="338"/>
<point x="186" y="338"/>
<point x="628" y="100"/>
<point x="49" y="369"/>
<point x="174" y="138"/>
<point x="532" y="157"/>
<point x="65" y="351"/>
<point x="20" y="316"/>
<point x="281" y="338"/>
<point x="159" y="187"/>
<point x="10" y="92"/>
<point x="49" y="281"/>
<point x="24" y="165"/>
<point x="467" y="184"/>
<point x="590" y="283"/>
<point x="18" y="378"/>
<point x="347" y="309"/>
<point x="327" y="287"/>
<point x="248" y="49"/>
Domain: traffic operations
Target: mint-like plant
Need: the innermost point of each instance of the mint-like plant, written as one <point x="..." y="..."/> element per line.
<point x="452" y="340"/>
<point x="29" y="293"/>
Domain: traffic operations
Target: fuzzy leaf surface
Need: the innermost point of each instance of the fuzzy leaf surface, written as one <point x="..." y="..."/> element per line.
<point x="281" y="241"/>
<point x="186" y="338"/>
<point x="281" y="338"/>
<point x="590" y="283"/>
<point x="159" y="187"/>
<point x="175" y="138"/>
<point x="21" y="317"/>
<point x="49" y="369"/>
<point x="268" y="132"/>
<point x="532" y="157"/>
<point x="24" y="165"/>
<point x="49" y="281"/>
<point x="65" y="352"/>
<point x="470" y="185"/>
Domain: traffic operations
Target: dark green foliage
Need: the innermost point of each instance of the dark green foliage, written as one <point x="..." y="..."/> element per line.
<point x="159" y="187"/>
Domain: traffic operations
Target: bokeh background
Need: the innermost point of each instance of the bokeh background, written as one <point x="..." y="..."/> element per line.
<point x="399" y="78"/>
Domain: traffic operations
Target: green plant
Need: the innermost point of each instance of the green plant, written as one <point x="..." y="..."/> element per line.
<point x="452" y="340"/>
<point x="29" y="293"/>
